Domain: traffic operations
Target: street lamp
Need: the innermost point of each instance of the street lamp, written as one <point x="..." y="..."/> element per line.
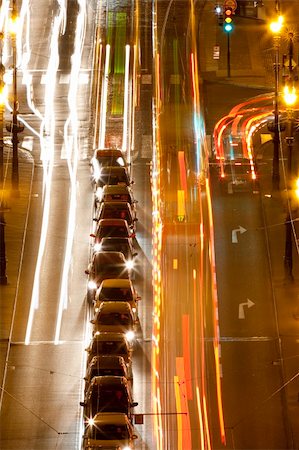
<point x="290" y="98"/>
<point x="275" y="27"/>
<point x="13" y="27"/>
<point x="2" y="100"/>
<point x="3" y="208"/>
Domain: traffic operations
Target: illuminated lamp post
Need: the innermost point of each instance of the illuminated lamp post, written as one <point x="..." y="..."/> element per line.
<point x="3" y="277"/>
<point x="13" y="26"/>
<point x="2" y="100"/>
<point x="290" y="97"/>
<point x="275" y="27"/>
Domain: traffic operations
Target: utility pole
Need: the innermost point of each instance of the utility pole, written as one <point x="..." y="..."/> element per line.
<point x="288" y="255"/>
<point x="290" y="99"/>
<point x="15" y="156"/>
<point x="2" y="71"/>
<point x="3" y="277"/>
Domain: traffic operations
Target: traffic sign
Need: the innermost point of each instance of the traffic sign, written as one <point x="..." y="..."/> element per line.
<point x="286" y="63"/>
<point x="230" y="4"/>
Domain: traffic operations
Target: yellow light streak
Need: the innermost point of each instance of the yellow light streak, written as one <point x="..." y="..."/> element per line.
<point x="102" y="133"/>
<point x="126" y="100"/>
<point x="216" y="340"/>
<point x="202" y="441"/>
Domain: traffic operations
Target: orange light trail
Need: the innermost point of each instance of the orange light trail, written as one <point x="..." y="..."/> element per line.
<point x="183" y="176"/>
<point x="216" y="340"/>
<point x="183" y="417"/>
<point x="186" y="354"/>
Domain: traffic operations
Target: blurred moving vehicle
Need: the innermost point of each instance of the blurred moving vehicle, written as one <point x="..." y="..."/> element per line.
<point x="102" y="266"/>
<point x="116" y="317"/>
<point x="109" y="430"/>
<point x="104" y="365"/>
<point x="117" y="210"/>
<point x="108" y="394"/>
<point x="117" y="289"/>
<point x="110" y="344"/>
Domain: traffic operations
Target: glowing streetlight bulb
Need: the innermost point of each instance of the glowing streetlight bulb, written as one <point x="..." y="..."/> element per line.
<point x="275" y="27"/>
<point x="290" y="96"/>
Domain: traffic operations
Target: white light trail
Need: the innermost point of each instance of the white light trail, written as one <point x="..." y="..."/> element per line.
<point x="47" y="157"/>
<point x="71" y="146"/>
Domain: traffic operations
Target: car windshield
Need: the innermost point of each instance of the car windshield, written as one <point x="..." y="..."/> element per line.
<point x="115" y="318"/>
<point x="109" y="432"/>
<point x="114" y="178"/>
<point x="112" y="231"/>
<point x="117" y="246"/>
<point x="111" y="161"/>
<point x="116" y="214"/>
<point x="109" y="400"/>
<point x="116" y="293"/>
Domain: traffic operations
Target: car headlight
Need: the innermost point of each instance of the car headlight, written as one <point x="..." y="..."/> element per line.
<point x="90" y="422"/>
<point x="130" y="264"/>
<point x="134" y="310"/>
<point x="130" y="335"/>
<point x="99" y="193"/>
<point x="126" y="448"/>
<point x="97" y="247"/>
<point x="92" y="285"/>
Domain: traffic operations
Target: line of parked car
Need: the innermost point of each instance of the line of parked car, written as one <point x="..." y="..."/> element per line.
<point x="108" y="403"/>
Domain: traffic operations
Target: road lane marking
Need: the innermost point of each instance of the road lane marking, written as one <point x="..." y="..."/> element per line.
<point x="240" y="230"/>
<point x="249" y="304"/>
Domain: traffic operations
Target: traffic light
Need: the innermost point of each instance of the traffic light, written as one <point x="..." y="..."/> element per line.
<point x="228" y="19"/>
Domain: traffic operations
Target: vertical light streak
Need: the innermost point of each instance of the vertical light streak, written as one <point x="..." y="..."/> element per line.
<point x="102" y="134"/>
<point x="4" y="13"/>
<point x="97" y="106"/>
<point x="216" y="340"/>
<point x="178" y="408"/>
<point x="186" y="354"/>
<point x="183" y="171"/>
<point x="182" y="409"/>
<point x="47" y="156"/>
<point x="202" y="442"/>
<point x="72" y="160"/>
<point x="126" y="100"/>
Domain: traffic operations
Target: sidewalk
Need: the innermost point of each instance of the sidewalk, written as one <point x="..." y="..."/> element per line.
<point x="16" y="220"/>
<point x="251" y="62"/>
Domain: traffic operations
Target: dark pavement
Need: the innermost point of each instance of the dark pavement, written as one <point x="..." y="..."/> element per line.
<point x="252" y="57"/>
